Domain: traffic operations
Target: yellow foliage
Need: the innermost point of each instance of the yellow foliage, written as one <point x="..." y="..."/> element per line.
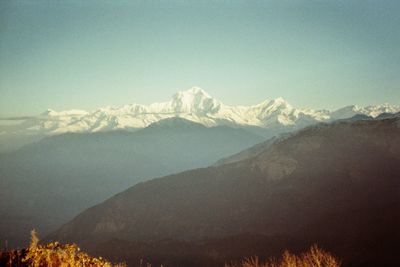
<point x="57" y="255"/>
<point x="69" y="255"/>
<point x="314" y="257"/>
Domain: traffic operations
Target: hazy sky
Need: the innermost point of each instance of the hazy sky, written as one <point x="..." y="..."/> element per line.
<point x="87" y="54"/>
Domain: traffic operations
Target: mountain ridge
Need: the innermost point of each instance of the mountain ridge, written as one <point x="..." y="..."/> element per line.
<point x="63" y="174"/>
<point x="334" y="183"/>
<point x="193" y="104"/>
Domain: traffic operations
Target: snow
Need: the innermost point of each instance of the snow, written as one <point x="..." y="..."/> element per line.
<point x="195" y="105"/>
<point x="372" y="111"/>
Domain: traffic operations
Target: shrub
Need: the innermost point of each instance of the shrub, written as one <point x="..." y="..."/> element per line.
<point x="55" y="254"/>
<point x="314" y="257"/>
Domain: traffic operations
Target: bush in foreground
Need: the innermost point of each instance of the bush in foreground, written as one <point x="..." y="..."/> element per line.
<point x="52" y="255"/>
<point x="57" y="255"/>
<point x="314" y="257"/>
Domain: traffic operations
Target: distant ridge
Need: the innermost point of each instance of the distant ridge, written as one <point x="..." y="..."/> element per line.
<point x="194" y="105"/>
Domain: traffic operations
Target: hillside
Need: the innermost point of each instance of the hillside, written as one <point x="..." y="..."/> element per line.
<point x="336" y="185"/>
<point x="45" y="184"/>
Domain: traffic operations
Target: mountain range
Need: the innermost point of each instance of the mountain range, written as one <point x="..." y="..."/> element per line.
<point x="268" y="118"/>
<point x="335" y="184"/>
<point x="195" y="105"/>
<point x="75" y="159"/>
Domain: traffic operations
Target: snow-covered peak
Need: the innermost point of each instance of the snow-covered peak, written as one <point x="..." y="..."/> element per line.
<point x="372" y="111"/>
<point x="194" y="105"/>
<point x="275" y="104"/>
<point x="376" y="110"/>
<point x="194" y="91"/>
<point x="194" y="100"/>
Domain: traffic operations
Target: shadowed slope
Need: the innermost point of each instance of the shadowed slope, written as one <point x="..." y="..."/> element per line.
<point x="45" y="184"/>
<point x="334" y="184"/>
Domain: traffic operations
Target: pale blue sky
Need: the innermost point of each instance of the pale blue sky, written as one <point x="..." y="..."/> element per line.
<point x="87" y="54"/>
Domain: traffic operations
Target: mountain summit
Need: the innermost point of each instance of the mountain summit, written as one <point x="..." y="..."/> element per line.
<point x="193" y="104"/>
<point x="194" y="100"/>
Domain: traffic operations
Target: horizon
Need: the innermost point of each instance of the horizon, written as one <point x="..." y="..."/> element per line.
<point x="11" y="118"/>
<point x="200" y="133"/>
<point x="86" y="55"/>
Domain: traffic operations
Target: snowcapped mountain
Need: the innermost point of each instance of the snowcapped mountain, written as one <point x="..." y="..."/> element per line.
<point x="372" y="111"/>
<point x="195" y="105"/>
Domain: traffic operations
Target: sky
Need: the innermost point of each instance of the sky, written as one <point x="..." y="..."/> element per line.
<point x="90" y="54"/>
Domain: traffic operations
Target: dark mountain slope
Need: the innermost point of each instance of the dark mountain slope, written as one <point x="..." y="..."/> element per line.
<point x="258" y="148"/>
<point x="45" y="184"/>
<point x="335" y="184"/>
